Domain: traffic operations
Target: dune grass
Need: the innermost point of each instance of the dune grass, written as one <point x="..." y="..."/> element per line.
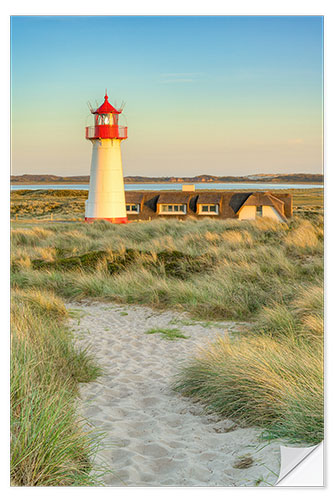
<point x="272" y="377"/>
<point x="260" y="271"/>
<point x="271" y="383"/>
<point x="49" y="445"/>
<point x="212" y="269"/>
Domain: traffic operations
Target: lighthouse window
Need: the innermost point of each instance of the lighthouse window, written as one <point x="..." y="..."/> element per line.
<point x="133" y="208"/>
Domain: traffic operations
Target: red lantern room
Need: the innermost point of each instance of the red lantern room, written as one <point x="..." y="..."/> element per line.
<point x="106" y="123"/>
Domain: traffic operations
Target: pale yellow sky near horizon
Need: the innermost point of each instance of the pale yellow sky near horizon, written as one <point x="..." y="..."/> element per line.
<point x="164" y="150"/>
<point x="244" y="97"/>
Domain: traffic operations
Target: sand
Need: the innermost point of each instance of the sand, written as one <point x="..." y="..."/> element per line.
<point x="154" y="436"/>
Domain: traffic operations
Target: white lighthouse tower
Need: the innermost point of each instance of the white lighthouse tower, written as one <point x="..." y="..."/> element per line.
<point x="106" y="198"/>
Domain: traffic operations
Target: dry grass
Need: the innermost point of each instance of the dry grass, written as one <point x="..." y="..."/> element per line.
<point x="240" y="266"/>
<point x="259" y="271"/>
<point x="39" y="204"/>
<point x="304" y="236"/>
<point x="271" y="383"/>
<point x="273" y="376"/>
<point x="49" y="446"/>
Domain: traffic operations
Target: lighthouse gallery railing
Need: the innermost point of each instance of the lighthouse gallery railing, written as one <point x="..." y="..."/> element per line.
<point x="106" y="132"/>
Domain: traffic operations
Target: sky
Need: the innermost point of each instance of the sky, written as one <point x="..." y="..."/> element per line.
<point x="220" y="95"/>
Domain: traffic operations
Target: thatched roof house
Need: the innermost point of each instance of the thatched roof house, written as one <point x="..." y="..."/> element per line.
<point x="258" y="204"/>
<point x="146" y="205"/>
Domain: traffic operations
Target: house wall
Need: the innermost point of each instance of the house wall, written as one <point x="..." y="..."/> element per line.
<point x="271" y="212"/>
<point x="247" y="213"/>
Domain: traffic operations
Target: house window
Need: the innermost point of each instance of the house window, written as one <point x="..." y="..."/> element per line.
<point x="130" y="209"/>
<point x="173" y="209"/>
<point x="209" y="209"/>
<point x="259" y="211"/>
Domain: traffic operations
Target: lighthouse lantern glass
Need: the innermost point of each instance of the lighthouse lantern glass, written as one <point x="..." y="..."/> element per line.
<point x="104" y="119"/>
<point x="106" y="123"/>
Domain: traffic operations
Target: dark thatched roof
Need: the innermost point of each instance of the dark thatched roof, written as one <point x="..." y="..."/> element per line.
<point x="275" y="200"/>
<point x="133" y="197"/>
<point x="258" y="199"/>
<point x="174" y="197"/>
<point x="209" y="198"/>
<point x="193" y="203"/>
<point x="238" y="200"/>
<point x="151" y="201"/>
<point x="263" y="199"/>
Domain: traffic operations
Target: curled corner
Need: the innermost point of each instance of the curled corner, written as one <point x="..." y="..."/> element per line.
<point x="295" y="466"/>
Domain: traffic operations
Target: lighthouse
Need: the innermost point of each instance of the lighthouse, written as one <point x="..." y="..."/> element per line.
<point x="106" y="198"/>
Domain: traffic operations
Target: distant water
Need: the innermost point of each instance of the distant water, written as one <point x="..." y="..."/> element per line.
<point x="178" y="186"/>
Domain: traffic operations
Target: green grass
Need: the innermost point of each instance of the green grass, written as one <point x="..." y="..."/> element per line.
<point x="49" y="445"/>
<point x="76" y="314"/>
<point x="168" y="333"/>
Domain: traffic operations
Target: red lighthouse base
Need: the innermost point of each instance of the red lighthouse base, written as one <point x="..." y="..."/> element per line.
<point x="114" y="220"/>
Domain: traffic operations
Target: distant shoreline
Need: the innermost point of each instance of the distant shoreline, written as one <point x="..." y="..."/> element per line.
<point x="202" y="179"/>
<point x="85" y="183"/>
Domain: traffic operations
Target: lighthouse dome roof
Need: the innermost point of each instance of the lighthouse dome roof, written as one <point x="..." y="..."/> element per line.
<point x="106" y="108"/>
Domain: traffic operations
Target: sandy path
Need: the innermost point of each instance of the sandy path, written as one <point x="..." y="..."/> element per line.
<point x="157" y="437"/>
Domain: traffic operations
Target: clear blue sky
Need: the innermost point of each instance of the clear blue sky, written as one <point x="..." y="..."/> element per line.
<point x="219" y="95"/>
